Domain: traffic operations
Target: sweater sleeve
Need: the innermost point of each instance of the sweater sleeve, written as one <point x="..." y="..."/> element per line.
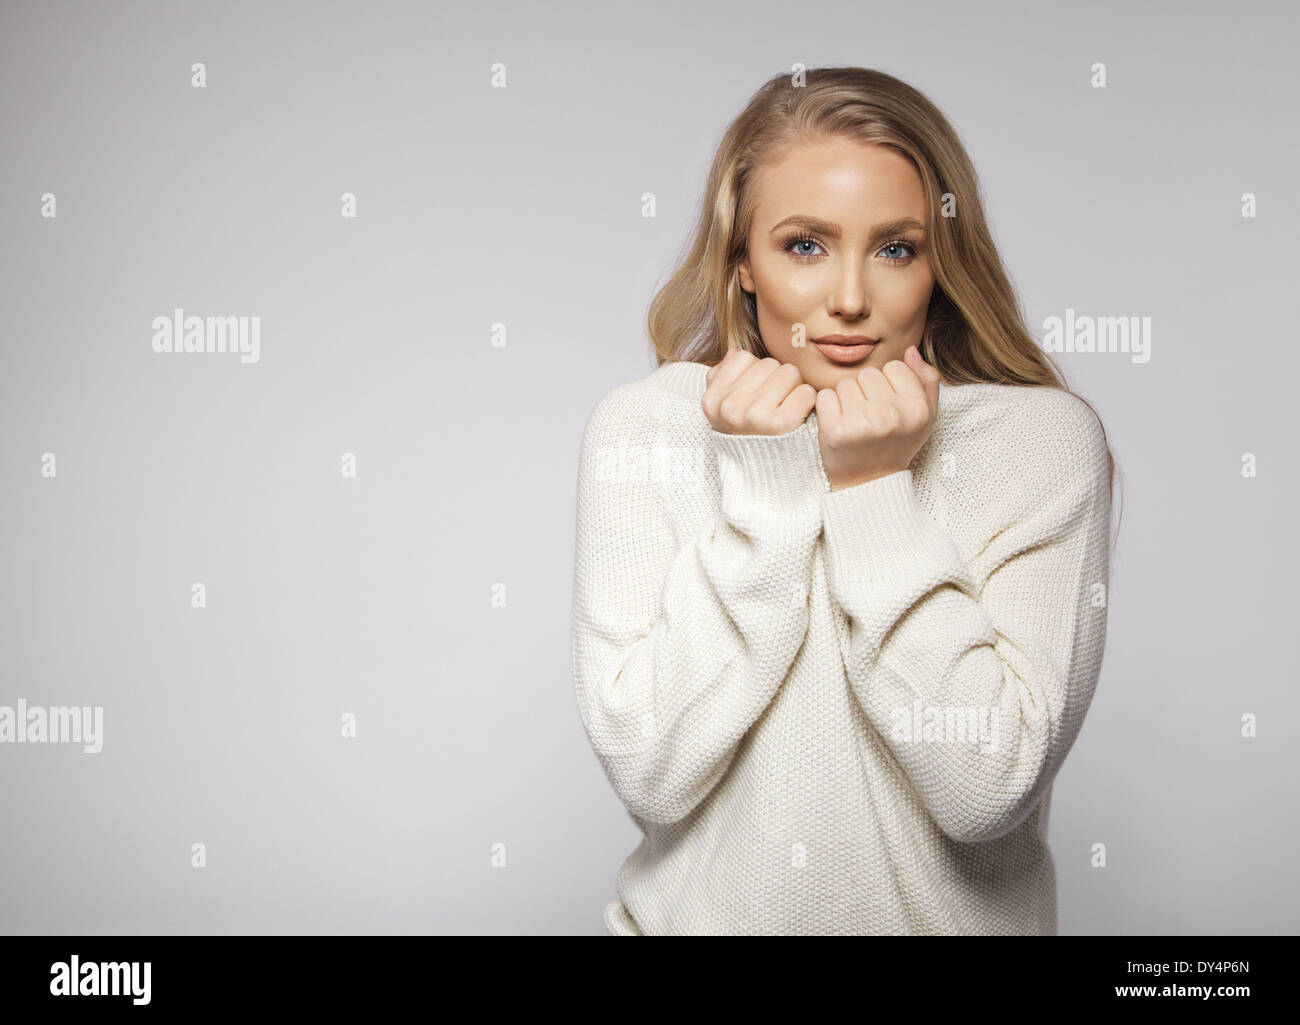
<point x="681" y="638"/>
<point x="1012" y="639"/>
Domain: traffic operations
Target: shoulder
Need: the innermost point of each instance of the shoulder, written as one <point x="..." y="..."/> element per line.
<point x="1025" y="421"/>
<point x="648" y="433"/>
<point x="1033" y="440"/>
<point x="668" y="396"/>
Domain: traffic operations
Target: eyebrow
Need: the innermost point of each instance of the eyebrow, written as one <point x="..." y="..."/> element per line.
<point x="820" y="227"/>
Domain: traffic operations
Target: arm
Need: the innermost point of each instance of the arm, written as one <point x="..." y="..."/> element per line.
<point x="1014" y="633"/>
<point x="679" y="644"/>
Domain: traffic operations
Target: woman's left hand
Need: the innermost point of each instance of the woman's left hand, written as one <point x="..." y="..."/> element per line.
<point x="873" y="425"/>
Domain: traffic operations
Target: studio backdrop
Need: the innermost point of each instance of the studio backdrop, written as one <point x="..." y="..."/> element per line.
<point x="305" y="307"/>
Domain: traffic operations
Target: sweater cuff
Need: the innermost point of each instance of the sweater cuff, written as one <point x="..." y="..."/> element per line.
<point x="777" y="471"/>
<point x="881" y="523"/>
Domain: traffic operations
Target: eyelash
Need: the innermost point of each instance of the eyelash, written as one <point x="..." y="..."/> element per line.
<point x="795" y="239"/>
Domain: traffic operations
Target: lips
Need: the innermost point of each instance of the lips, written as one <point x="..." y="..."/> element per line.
<point x="843" y="351"/>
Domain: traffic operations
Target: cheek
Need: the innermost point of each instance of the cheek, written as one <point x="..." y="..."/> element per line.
<point x="903" y="298"/>
<point x="784" y="292"/>
<point x="802" y="293"/>
<point x="901" y="313"/>
<point x="918" y="295"/>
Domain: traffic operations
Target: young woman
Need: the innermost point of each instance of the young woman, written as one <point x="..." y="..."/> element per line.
<point x="842" y="559"/>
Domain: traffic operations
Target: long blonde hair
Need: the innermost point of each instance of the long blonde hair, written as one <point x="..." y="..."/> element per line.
<point x="975" y="330"/>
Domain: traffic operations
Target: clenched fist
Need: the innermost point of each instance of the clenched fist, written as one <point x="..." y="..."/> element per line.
<point x="748" y="395"/>
<point x="873" y="424"/>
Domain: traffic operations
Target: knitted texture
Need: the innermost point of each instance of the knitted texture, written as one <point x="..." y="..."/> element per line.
<point x="837" y="712"/>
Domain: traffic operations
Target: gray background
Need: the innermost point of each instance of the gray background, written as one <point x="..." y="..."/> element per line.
<point x="522" y="206"/>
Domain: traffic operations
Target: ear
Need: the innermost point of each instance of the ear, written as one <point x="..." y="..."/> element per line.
<point x="746" y="279"/>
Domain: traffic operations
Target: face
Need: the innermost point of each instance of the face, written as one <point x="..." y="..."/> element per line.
<point x="828" y="250"/>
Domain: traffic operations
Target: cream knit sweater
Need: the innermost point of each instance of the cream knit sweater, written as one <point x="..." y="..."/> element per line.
<point x="837" y="712"/>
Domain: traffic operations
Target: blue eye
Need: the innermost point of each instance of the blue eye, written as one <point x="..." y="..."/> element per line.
<point x="790" y="244"/>
<point x="911" y="250"/>
<point x="800" y="240"/>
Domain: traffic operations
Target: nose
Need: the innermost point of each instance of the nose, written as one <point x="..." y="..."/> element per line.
<point x="848" y="299"/>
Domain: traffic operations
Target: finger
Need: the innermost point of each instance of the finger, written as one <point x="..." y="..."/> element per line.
<point x="783" y="379"/>
<point x="713" y="370"/>
<point x="799" y="403"/>
<point x="732" y="366"/>
<point x="853" y="403"/>
<point x="828" y="406"/>
<point x="737" y="390"/>
<point x="773" y="400"/>
<point x="907" y="386"/>
<point x="751" y="381"/>
<point x="875" y="385"/>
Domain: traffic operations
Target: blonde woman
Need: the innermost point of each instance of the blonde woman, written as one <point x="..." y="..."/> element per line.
<point x="842" y="559"/>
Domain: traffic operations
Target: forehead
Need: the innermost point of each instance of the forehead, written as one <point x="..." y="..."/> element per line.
<point x="841" y="180"/>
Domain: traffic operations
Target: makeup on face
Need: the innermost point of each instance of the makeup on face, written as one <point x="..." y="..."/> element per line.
<point x="837" y="258"/>
<point x="845" y="349"/>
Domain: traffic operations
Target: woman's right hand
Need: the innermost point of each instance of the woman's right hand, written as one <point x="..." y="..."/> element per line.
<point x="748" y="395"/>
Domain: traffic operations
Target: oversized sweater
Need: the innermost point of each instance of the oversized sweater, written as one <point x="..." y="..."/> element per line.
<point x="837" y="712"/>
